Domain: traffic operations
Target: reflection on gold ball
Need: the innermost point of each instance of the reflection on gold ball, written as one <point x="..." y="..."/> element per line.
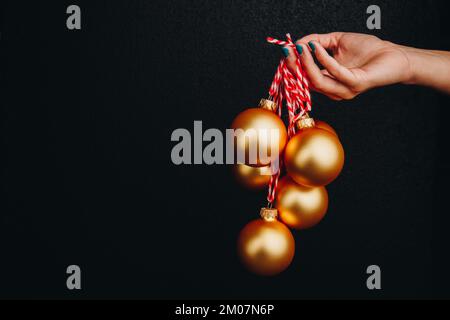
<point x="252" y="177"/>
<point x="257" y="142"/>
<point x="300" y="207"/>
<point x="324" y="126"/>
<point x="314" y="157"/>
<point x="266" y="247"/>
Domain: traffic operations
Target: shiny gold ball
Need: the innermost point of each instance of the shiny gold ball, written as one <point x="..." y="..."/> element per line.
<point x="314" y="157"/>
<point x="263" y="136"/>
<point x="298" y="206"/>
<point x="325" y="126"/>
<point x="252" y="177"/>
<point x="266" y="247"/>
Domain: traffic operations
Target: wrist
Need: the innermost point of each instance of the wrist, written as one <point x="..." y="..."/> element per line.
<point x="411" y="74"/>
<point x="422" y="67"/>
<point x="427" y="67"/>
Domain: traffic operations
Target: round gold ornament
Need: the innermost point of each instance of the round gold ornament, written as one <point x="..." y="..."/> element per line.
<point x="314" y="156"/>
<point x="300" y="207"/>
<point x="266" y="246"/>
<point x="260" y="134"/>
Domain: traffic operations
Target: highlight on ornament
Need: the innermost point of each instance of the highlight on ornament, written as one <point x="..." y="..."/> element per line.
<point x="312" y="155"/>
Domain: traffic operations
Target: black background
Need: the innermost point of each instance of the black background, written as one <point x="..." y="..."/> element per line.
<point x="87" y="177"/>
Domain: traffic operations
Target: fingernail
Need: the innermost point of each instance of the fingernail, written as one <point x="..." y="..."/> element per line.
<point x="312" y="46"/>
<point x="299" y="49"/>
<point x="285" y="51"/>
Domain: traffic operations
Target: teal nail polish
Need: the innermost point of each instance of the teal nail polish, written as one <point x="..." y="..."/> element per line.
<point x="299" y="49"/>
<point x="312" y="46"/>
<point x="285" y="51"/>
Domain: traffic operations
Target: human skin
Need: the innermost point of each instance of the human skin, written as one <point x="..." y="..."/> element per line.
<point x="360" y="62"/>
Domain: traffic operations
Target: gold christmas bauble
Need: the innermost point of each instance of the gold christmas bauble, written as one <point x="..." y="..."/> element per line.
<point x="314" y="157"/>
<point x="252" y="177"/>
<point x="298" y="206"/>
<point x="266" y="247"/>
<point x="261" y="138"/>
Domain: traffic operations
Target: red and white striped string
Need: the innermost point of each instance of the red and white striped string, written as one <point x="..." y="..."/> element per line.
<point x="294" y="89"/>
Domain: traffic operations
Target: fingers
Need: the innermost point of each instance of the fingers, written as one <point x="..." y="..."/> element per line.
<point x="334" y="68"/>
<point x="330" y="86"/>
<point x="336" y="81"/>
<point x="333" y="97"/>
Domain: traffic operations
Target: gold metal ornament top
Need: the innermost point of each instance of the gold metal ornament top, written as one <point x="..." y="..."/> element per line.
<point x="269" y="214"/>
<point x="305" y="122"/>
<point x="267" y="104"/>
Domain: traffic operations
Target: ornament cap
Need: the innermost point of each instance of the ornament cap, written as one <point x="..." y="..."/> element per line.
<point x="305" y="122"/>
<point x="267" y="104"/>
<point x="269" y="214"/>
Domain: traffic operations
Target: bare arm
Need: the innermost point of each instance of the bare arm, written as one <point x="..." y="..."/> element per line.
<point x="430" y="68"/>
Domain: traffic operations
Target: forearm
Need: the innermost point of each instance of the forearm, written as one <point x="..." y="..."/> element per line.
<point x="429" y="68"/>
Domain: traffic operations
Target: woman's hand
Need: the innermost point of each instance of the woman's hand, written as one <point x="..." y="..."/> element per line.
<point x="359" y="62"/>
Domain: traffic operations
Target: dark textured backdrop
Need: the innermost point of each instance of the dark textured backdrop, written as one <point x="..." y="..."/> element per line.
<point x="87" y="177"/>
